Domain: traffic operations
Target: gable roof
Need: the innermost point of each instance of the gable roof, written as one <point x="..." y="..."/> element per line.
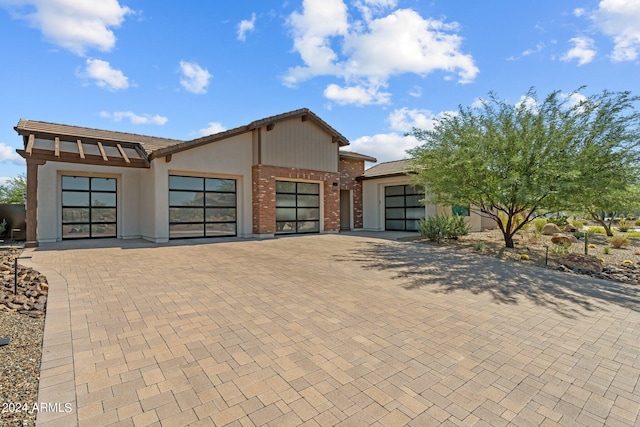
<point x="356" y="156"/>
<point x="386" y="169"/>
<point x="304" y="113"/>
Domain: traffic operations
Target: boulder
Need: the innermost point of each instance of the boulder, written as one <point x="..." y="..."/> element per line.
<point x="550" y="229"/>
<point x="561" y="238"/>
<point x="570" y="228"/>
<point x="581" y="263"/>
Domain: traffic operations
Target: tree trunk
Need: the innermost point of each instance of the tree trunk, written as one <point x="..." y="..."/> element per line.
<point x="508" y="239"/>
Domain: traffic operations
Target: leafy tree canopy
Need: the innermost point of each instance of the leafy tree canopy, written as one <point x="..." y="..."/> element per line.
<point x="12" y="191"/>
<point x="514" y="162"/>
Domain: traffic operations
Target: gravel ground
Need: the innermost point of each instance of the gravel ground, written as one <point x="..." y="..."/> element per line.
<point x="19" y="364"/>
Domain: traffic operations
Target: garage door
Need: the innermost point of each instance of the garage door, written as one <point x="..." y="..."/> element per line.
<point x="297" y="207"/>
<point x="201" y="207"/>
<point x="403" y="209"/>
<point x="89" y="209"/>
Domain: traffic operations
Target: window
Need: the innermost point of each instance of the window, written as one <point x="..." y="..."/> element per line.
<point x="202" y="207"/>
<point x="461" y="210"/>
<point x="403" y="208"/>
<point x="297" y="207"/>
<point x="89" y="207"/>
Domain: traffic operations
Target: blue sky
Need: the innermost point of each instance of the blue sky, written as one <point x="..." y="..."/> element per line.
<point x="371" y="68"/>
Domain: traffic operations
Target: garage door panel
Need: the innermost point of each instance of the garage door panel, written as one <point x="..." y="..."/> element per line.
<point x="403" y="208"/>
<point x="89" y="207"/>
<point x="297" y="207"/>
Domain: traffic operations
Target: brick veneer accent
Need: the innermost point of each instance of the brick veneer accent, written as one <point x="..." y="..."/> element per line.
<point x="350" y="169"/>
<point x="264" y="195"/>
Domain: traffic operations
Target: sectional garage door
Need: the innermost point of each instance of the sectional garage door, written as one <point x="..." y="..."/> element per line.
<point x="202" y="207"/>
<point x="403" y="209"/>
<point x="297" y="207"/>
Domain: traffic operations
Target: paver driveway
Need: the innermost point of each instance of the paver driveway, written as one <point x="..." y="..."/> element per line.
<point x="330" y="330"/>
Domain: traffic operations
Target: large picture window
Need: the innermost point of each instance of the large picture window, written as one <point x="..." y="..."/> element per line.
<point x="297" y="207"/>
<point x="202" y="207"/>
<point x="89" y="207"/>
<point x="403" y="209"/>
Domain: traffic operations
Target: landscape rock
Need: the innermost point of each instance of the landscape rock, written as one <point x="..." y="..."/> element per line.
<point x="32" y="287"/>
<point x="570" y="228"/>
<point x="560" y="238"/>
<point x="550" y="229"/>
<point x="581" y="263"/>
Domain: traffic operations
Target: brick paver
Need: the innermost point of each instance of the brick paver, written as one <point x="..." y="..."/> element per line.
<point x="330" y="330"/>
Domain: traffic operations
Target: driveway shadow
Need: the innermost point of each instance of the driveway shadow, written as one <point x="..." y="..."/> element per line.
<point x="443" y="270"/>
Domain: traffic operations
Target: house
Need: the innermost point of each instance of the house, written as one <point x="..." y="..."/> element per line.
<point x="391" y="201"/>
<point x="282" y="174"/>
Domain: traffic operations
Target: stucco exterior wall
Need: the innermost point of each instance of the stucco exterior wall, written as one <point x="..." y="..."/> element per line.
<point x="50" y="197"/>
<point x="297" y="144"/>
<point x="373" y="204"/>
<point x="230" y="158"/>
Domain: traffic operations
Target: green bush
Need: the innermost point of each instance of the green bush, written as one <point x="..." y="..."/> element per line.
<point x="637" y="222"/>
<point x="440" y="227"/>
<point x="624" y="225"/>
<point x="606" y="250"/>
<point x="577" y="223"/>
<point x="619" y="241"/>
<point x="539" y="223"/>
<point x="560" y="220"/>
<point x="596" y="229"/>
<point x="633" y="234"/>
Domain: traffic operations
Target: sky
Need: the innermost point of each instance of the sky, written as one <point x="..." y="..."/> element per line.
<point x="372" y="69"/>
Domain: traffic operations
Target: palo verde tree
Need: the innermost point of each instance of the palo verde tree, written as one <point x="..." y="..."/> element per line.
<point x="515" y="162"/>
<point x="12" y="190"/>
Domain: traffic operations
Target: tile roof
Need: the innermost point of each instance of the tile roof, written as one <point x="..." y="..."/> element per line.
<point x="39" y="129"/>
<point x="357" y="156"/>
<point x="397" y="167"/>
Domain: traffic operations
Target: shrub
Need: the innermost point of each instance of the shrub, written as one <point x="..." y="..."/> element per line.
<point x="539" y="223"/>
<point x="439" y="227"/>
<point x="606" y="250"/>
<point x="596" y="229"/>
<point x="560" y="248"/>
<point x="619" y="242"/>
<point x="601" y="259"/>
<point x="633" y="234"/>
<point x="560" y="220"/>
<point x="637" y="222"/>
<point x="524" y="257"/>
<point x="478" y="246"/>
<point x="624" y="225"/>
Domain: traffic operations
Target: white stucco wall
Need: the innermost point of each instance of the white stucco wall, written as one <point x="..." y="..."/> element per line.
<point x="373" y="204"/>
<point x="229" y="158"/>
<point x="50" y="197"/>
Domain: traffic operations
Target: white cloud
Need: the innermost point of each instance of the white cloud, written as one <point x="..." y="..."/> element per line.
<point x="212" y="128"/>
<point x="356" y="95"/>
<point x="105" y="76"/>
<point x="527" y="103"/>
<point x="145" y="119"/>
<point x="384" y="146"/>
<point x="246" y="26"/>
<point x="8" y="154"/>
<point x="195" y="78"/>
<point x="374" y="50"/>
<point x="578" y="12"/>
<point x="393" y="146"/>
<point x="76" y="25"/>
<point x="4" y="179"/>
<point x="415" y="92"/>
<point x="620" y="19"/>
<point x="583" y="50"/>
<point x="573" y="99"/>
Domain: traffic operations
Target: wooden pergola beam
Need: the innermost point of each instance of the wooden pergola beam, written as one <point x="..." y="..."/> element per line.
<point x="57" y="146"/>
<point x="80" y="149"/>
<point x="123" y="154"/>
<point x="31" y="141"/>
<point x="104" y="155"/>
